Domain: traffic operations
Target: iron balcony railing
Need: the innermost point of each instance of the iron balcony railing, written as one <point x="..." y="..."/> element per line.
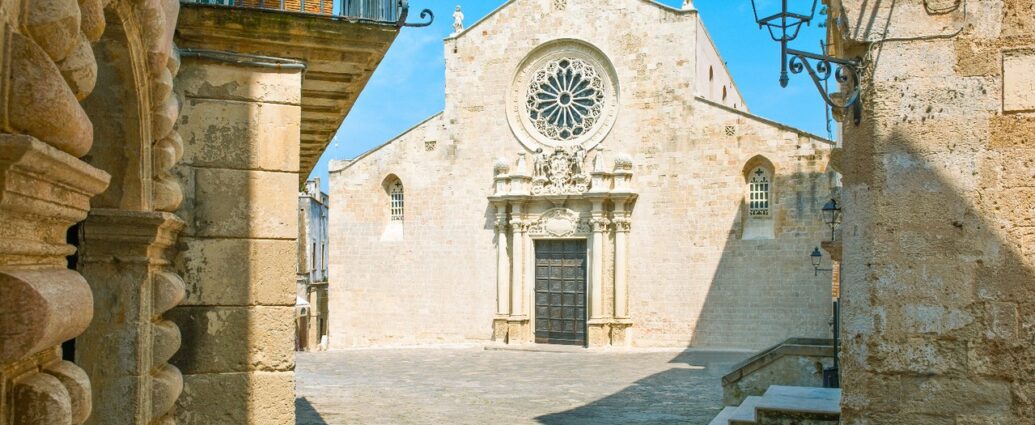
<point x="382" y="11"/>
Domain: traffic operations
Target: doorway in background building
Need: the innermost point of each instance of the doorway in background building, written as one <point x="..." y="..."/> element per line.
<point x="560" y="291"/>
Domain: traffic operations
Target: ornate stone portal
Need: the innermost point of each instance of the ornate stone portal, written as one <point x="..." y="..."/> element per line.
<point x="560" y="200"/>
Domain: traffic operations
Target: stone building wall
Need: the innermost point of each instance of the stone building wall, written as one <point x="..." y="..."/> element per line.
<point x="311" y="295"/>
<point x="692" y="280"/>
<point x="938" y="259"/>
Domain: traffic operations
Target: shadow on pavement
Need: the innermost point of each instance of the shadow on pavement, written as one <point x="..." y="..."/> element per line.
<point x="661" y="398"/>
<point x="306" y="414"/>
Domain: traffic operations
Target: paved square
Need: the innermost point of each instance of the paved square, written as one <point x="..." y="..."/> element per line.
<point x="477" y="386"/>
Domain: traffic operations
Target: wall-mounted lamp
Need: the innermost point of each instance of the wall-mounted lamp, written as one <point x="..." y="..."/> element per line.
<point x="817" y="257"/>
<point x="783" y="27"/>
<point x="832" y="216"/>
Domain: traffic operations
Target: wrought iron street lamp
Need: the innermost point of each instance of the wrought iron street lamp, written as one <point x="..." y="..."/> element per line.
<point x="817" y="258"/>
<point x="832" y="216"/>
<point x="783" y="26"/>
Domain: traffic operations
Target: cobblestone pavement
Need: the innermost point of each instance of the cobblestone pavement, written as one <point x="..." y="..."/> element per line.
<point x="477" y="386"/>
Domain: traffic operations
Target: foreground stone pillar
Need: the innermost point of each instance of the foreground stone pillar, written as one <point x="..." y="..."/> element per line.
<point x="125" y="259"/>
<point x="939" y="214"/>
<point x="240" y="125"/>
<point x="43" y="191"/>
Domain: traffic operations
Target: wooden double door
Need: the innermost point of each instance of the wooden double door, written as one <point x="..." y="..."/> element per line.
<point x="560" y="291"/>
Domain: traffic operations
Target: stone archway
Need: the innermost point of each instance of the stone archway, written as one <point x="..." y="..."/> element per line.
<point x="127" y="238"/>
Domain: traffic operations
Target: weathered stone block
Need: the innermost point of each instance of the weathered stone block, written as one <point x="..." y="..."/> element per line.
<point x="241" y="135"/>
<point x="245" y="204"/>
<point x="238" y="271"/>
<point x="218" y="81"/>
<point x="234" y="339"/>
<point x="1019" y="80"/>
<point x="260" y="398"/>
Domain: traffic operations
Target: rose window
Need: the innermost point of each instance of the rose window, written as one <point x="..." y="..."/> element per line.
<point x="565" y="98"/>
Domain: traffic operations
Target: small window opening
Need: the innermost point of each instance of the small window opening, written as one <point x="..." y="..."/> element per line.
<point x="758" y="193"/>
<point x="396" y="195"/>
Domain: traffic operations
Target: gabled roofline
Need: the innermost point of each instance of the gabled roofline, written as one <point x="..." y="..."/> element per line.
<point x="765" y="120"/>
<point x="508" y="2"/>
<point x="722" y="59"/>
<point x="378" y="147"/>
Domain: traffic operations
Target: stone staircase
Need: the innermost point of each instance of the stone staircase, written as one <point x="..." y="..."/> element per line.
<point x="784" y="405"/>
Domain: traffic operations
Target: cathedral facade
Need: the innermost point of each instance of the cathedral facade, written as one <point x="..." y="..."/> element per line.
<point x="595" y="179"/>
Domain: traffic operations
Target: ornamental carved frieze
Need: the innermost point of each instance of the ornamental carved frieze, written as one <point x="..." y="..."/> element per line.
<point x="561" y="172"/>
<point x="559" y="222"/>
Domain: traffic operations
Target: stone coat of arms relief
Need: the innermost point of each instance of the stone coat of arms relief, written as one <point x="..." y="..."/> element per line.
<point x="560" y="172"/>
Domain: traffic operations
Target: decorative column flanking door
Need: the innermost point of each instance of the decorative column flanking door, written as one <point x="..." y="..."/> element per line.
<point x="560" y="291"/>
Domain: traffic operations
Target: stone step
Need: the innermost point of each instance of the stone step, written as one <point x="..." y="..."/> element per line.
<point x="745" y="413"/>
<point x="805" y="405"/>
<point x="824" y="401"/>
<point x="723" y="418"/>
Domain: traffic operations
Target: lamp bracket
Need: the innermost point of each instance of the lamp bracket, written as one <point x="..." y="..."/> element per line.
<point x="820" y="68"/>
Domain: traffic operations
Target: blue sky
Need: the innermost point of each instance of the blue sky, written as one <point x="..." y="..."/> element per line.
<point x="409" y="85"/>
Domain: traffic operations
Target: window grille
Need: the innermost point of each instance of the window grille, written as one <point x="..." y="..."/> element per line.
<point x="396" y="194"/>
<point x="758" y="193"/>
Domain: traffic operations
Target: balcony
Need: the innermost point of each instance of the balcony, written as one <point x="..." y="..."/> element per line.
<point x="338" y="42"/>
<point x="378" y="11"/>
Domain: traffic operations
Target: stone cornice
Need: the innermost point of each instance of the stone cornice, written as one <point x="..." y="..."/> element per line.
<point x="68" y="181"/>
<point x="134" y="236"/>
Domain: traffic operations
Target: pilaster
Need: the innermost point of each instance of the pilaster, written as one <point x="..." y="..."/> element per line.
<point x="125" y="257"/>
<point x="499" y="327"/>
<point x="517" y="324"/>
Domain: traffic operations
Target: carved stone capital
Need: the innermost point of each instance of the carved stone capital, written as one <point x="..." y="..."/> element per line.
<point x="599" y="224"/>
<point x="622" y="224"/>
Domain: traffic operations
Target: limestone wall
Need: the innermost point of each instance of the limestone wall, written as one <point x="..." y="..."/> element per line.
<point x="938" y="259"/>
<point x="692" y="281"/>
<point x="713" y="80"/>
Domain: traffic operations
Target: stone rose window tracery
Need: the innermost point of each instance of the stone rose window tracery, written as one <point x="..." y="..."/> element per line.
<point x="564" y="95"/>
<point x="565" y="98"/>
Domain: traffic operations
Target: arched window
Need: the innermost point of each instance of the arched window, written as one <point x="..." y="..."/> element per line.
<point x="760" y="199"/>
<point x="711" y="73"/>
<point x="758" y="192"/>
<point x="723" y="93"/>
<point x="395" y="194"/>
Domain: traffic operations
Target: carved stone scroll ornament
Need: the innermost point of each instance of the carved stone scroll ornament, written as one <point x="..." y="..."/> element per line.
<point x="560" y="172"/>
<point x="559" y="222"/>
